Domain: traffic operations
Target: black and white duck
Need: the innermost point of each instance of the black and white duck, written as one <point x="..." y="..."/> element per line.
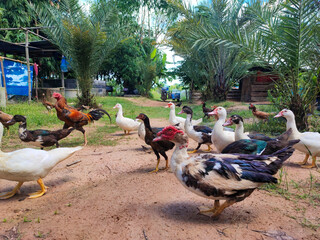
<point x="229" y="177"/>
<point x="40" y="137"/>
<point x="200" y="134"/>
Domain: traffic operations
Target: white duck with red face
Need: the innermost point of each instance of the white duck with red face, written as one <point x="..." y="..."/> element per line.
<point x="309" y="141"/>
<point x="126" y="124"/>
<point x="219" y="137"/>
<point x="179" y="121"/>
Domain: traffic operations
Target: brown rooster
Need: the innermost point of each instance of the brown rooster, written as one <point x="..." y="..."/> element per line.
<point x="259" y="114"/>
<point x="74" y="118"/>
<point x="4" y="118"/>
<point x="49" y="106"/>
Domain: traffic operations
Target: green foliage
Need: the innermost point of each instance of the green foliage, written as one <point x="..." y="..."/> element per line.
<point x="135" y="64"/>
<point x="83" y="39"/>
<point x="207" y="66"/>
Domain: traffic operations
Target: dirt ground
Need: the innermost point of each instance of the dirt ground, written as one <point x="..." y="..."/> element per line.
<point x="111" y="195"/>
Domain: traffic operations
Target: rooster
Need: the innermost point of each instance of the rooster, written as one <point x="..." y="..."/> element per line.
<point x="4" y="118"/>
<point x="259" y="114"/>
<point x="74" y="118"/>
<point x="49" y="106"/>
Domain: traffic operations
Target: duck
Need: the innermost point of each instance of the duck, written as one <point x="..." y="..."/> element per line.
<point x="126" y="124"/>
<point x="40" y="137"/>
<point x="30" y="164"/>
<point x="200" y="134"/>
<point x="259" y="147"/>
<point x="239" y="132"/>
<point x="179" y="121"/>
<point x="228" y="177"/>
<point x="160" y="147"/>
<point x="309" y="141"/>
<point x="4" y="118"/>
<point x="219" y="137"/>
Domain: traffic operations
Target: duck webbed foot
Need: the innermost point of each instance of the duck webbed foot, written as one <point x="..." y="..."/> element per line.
<point x="194" y="151"/>
<point x="40" y="192"/>
<point x="304" y="162"/>
<point x="209" y="149"/>
<point x="209" y="211"/>
<point x="313" y="165"/>
<point x="7" y="195"/>
<point x="217" y="208"/>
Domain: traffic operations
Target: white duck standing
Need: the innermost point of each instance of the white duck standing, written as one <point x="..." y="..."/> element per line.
<point x="30" y="164"/>
<point x="126" y="124"/>
<point x="179" y="121"/>
<point x="219" y="137"/>
<point x="309" y="141"/>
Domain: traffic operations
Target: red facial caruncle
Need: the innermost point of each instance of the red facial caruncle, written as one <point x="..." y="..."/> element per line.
<point x="169" y="132"/>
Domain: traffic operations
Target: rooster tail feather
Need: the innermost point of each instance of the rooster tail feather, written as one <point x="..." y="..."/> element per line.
<point x="96" y="114"/>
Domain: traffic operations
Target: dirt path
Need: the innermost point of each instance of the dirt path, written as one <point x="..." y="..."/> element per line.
<point x="111" y="195"/>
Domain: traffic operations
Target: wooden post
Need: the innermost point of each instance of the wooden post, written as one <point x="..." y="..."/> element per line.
<point x="4" y="79"/>
<point x="62" y="84"/>
<point x="28" y="67"/>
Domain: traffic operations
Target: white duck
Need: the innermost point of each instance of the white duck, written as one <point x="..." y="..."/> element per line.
<point x="179" y="121"/>
<point x="30" y="164"/>
<point x="126" y="124"/>
<point x="219" y="137"/>
<point x="309" y="141"/>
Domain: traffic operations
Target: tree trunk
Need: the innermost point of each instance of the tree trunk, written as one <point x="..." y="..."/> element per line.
<point x="300" y="113"/>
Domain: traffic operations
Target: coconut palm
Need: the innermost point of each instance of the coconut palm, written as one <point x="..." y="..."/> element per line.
<point x="283" y="38"/>
<point x="84" y="39"/>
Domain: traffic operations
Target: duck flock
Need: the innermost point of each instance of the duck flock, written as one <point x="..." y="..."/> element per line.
<point x="241" y="163"/>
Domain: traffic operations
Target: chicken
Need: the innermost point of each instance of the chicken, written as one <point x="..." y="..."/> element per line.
<point x="74" y="118"/>
<point x="206" y="110"/>
<point x="49" y="106"/>
<point x="157" y="147"/>
<point x="40" y="137"/>
<point x="178" y="104"/>
<point x="259" y="114"/>
<point x="229" y="177"/>
<point x="4" y="118"/>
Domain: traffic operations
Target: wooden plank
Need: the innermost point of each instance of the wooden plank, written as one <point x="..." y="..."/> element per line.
<point x="259" y="94"/>
<point x="246" y="89"/>
<point x="258" y="99"/>
<point x="261" y="87"/>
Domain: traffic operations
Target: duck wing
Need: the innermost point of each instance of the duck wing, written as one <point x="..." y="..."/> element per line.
<point x="203" y="129"/>
<point x="245" y="146"/>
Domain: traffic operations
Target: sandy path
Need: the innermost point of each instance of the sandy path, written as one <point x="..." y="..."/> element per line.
<point x="111" y="195"/>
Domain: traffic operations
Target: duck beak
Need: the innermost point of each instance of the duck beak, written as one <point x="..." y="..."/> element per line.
<point x="115" y="107"/>
<point x="214" y="112"/>
<point x="280" y="114"/>
<point x="228" y="122"/>
<point x="180" y="112"/>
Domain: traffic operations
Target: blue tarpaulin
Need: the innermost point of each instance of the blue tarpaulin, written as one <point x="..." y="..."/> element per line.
<point x="16" y="75"/>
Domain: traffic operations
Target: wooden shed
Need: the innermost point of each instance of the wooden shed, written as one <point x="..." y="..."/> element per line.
<point x="254" y="88"/>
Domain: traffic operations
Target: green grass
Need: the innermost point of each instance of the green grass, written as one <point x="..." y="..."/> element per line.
<point x="39" y="118"/>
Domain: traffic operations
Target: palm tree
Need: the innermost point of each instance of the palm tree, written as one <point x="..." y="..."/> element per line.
<point x="83" y="39"/>
<point x="285" y="39"/>
<point x="221" y="66"/>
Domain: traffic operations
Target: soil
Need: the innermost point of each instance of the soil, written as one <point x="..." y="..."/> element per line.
<point x="109" y="194"/>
